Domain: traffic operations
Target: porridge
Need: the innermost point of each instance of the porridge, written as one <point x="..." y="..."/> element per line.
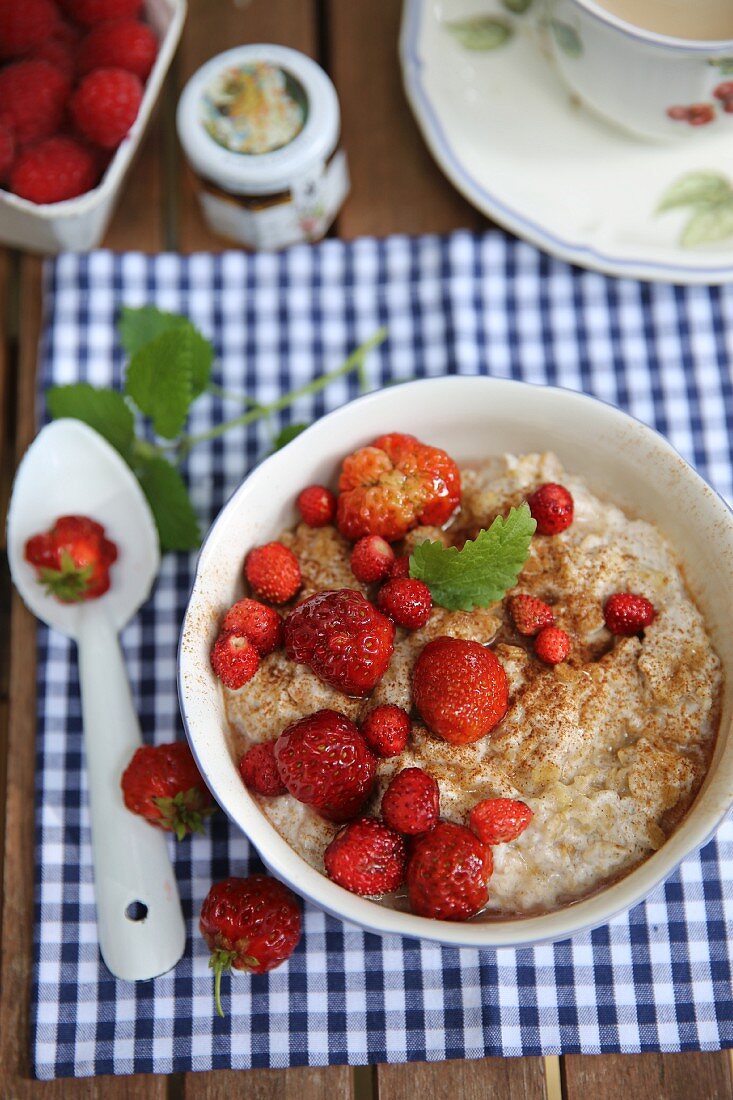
<point x="603" y="704"/>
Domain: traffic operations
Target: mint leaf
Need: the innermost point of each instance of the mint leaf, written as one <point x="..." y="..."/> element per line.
<point x="159" y="381"/>
<point x="287" y="435"/>
<point x="140" y="326"/>
<point x="104" y="410"/>
<point x="483" y="569"/>
<point x="167" y="495"/>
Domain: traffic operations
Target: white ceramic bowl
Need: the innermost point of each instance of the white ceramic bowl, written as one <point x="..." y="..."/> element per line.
<point x="471" y="418"/>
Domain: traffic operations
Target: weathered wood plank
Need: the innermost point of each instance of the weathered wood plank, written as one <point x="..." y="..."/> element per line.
<point x="508" y="1078"/>
<point x="706" y="1076"/>
<point x="334" y="1083"/>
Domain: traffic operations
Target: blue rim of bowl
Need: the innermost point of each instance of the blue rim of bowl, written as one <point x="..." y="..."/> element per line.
<point x="432" y="928"/>
<point x="439" y="144"/>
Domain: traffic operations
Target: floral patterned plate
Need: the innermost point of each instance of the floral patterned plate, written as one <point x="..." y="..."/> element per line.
<point x="508" y="134"/>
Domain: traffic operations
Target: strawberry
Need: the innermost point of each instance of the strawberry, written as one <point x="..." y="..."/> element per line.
<point x="386" y="730"/>
<point x="234" y="659"/>
<point x="24" y="24"/>
<point x="33" y="96"/>
<point x="552" y="645"/>
<point x="460" y="689"/>
<point x="408" y="602"/>
<point x="388" y="488"/>
<point x="123" y="44"/>
<point x="400" y="568"/>
<point x="529" y="614"/>
<point x="371" y="559"/>
<point x="53" y="170"/>
<point x="317" y="505"/>
<point x="448" y="873"/>
<point x="552" y="506"/>
<point x="342" y="638"/>
<point x="499" y="820"/>
<point x="411" y="803"/>
<point x="325" y="762"/>
<point x="163" y="785"/>
<point x="367" y="858"/>
<point x="259" y="771"/>
<point x="272" y="572"/>
<point x="626" y="613"/>
<point x="105" y="105"/>
<point x="249" y="924"/>
<point x="72" y="560"/>
<point x="256" y="621"/>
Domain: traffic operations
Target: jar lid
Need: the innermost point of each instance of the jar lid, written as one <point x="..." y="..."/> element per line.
<point x="256" y="118"/>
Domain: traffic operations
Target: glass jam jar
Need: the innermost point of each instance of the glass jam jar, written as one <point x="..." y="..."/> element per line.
<point x="260" y="127"/>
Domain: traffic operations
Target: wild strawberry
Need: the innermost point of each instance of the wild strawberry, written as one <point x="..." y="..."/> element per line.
<point x="105" y="105"/>
<point x="33" y="96"/>
<point x="627" y="613"/>
<point x="448" y="873"/>
<point x="407" y="601"/>
<point x="163" y="785"/>
<point x="317" y="505"/>
<point x="367" y="858"/>
<point x="249" y="924"/>
<point x="529" y="614"/>
<point x="724" y="90"/>
<point x="72" y="560"/>
<point x="342" y="638"/>
<point x="400" y="568"/>
<point x="411" y="803"/>
<point x="386" y="730"/>
<point x="460" y="689"/>
<point x="24" y="24"/>
<point x="388" y="488"/>
<point x="53" y="170"/>
<point x="552" y="645"/>
<point x="123" y="44"/>
<point x="552" y="506"/>
<point x="325" y="762"/>
<point x="499" y="820"/>
<point x="272" y="572"/>
<point x="259" y="771"/>
<point x="371" y="559"/>
<point x="234" y="659"/>
<point x="256" y="621"/>
<point x="90" y="12"/>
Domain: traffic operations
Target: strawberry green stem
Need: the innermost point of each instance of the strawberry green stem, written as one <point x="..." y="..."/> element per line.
<point x="220" y="962"/>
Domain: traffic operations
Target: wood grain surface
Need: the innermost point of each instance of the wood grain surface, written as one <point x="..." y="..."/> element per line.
<point x="396" y="188"/>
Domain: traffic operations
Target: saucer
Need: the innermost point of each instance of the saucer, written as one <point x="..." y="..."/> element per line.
<point x="522" y="149"/>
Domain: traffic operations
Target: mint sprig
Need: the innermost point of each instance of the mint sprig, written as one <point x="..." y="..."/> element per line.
<point x="170" y="366"/>
<point x="483" y="570"/>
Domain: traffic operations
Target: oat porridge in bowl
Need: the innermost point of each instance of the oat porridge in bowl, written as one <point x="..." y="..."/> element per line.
<point x="469" y="688"/>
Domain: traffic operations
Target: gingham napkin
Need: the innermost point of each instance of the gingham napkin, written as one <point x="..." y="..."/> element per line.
<point x="656" y="978"/>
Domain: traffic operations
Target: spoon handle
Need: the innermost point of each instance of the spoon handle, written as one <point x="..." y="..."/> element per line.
<point x="133" y="875"/>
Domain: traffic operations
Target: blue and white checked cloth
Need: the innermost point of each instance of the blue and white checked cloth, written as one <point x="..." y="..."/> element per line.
<point x="656" y="978"/>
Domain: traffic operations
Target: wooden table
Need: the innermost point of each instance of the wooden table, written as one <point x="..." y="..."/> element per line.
<point x="396" y="188"/>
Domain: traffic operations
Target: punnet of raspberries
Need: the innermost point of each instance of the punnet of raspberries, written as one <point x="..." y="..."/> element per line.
<point x="72" y="76"/>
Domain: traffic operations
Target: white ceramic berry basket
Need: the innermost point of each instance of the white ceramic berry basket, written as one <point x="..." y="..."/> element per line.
<point x="622" y="459"/>
<point x="79" y="224"/>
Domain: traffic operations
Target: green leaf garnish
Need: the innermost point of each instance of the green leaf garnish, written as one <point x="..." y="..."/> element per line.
<point x="104" y="410"/>
<point x="167" y="495"/>
<point x="484" y="568"/>
<point x="287" y="435"/>
<point x="140" y="327"/>
<point x="159" y="381"/>
<point x="483" y="32"/>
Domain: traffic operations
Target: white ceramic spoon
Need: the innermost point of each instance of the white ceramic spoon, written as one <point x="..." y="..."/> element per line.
<point x="70" y="469"/>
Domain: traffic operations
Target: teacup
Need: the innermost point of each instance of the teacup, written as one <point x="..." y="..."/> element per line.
<point x="651" y="83"/>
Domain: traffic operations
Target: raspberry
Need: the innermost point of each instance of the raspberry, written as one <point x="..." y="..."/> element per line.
<point x="371" y="559"/>
<point x="33" y="95"/>
<point x="325" y="762"/>
<point x="259" y="770"/>
<point x="90" y="12"/>
<point x="388" y="488"/>
<point x="24" y="24"/>
<point x="627" y="613"/>
<point x="343" y="638"/>
<point x="366" y="858"/>
<point x="529" y="614"/>
<point x="261" y="624"/>
<point x="400" y="568"/>
<point x="552" y="645"/>
<point x="7" y="150"/>
<point x="58" y="53"/>
<point x="448" y="873"/>
<point x="386" y="730"/>
<point x="234" y="660"/>
<point x="53" y="170"/>
<point x="105" y="105"/>
<point x="499" y="820"/>
<point x="552" y="506"/>
<point x="407" y="601"/>
<point x="411" y="803"/>
<point x="317" y="505"/>
<point x="125" y="44"/>
<point x="460" y="689"/>
<point x="272" y="572"/>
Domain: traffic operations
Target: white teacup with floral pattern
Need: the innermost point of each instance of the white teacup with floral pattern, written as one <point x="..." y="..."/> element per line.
<point x="652" y="84"/>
